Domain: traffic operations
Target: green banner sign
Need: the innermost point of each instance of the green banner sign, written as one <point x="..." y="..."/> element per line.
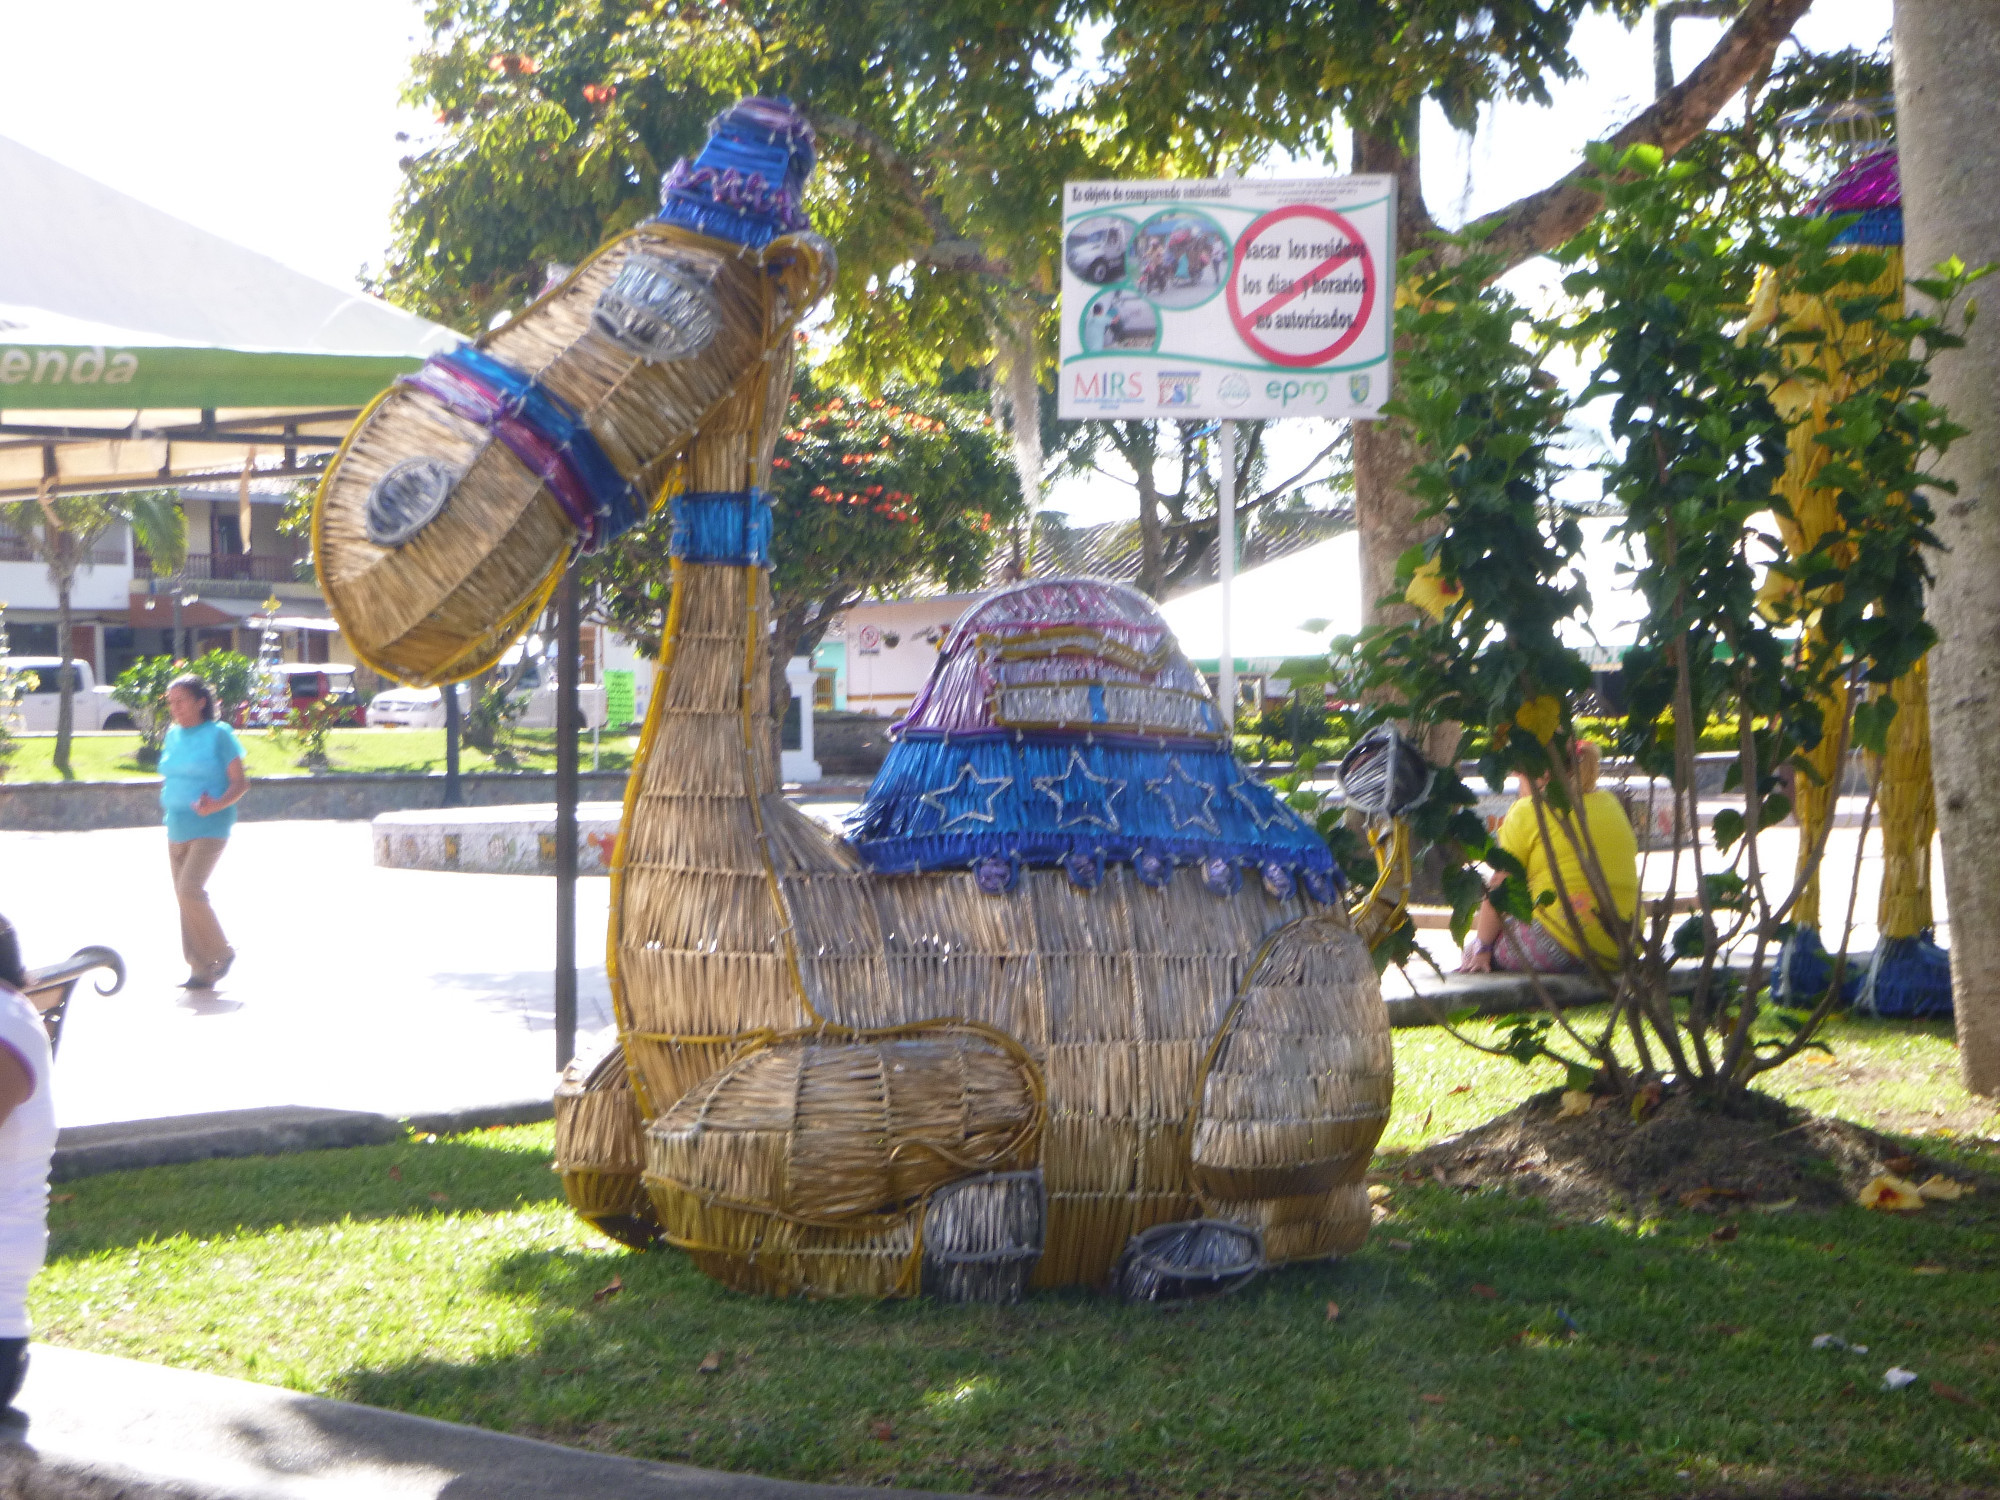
<point x="621" y="697"/>
<point x="46" y="377"/>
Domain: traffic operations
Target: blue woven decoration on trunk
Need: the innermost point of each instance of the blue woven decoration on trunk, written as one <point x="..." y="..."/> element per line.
<point x="727" y="527"/>
<point x="1909" y="979"/>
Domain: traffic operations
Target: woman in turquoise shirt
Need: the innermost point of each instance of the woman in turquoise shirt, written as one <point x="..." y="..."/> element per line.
<point x="201" y="766"/>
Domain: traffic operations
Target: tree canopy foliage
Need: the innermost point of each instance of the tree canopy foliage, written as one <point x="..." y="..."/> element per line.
<point x="870" y="495"/>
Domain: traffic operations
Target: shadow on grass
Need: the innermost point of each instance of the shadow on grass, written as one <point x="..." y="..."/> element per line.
<point x="1479" y="1345"/>
<point x="209" y="1199"/>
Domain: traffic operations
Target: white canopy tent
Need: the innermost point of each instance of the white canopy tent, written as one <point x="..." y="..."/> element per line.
<point x="138" y="350"/>
<point x="1290" y="609"/>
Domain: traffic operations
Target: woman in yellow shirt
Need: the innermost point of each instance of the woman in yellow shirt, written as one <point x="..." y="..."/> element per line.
<point x="1550" y="944"/>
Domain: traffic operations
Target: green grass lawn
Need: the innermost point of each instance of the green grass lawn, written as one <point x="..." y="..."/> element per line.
<point x="1481" y="1347"/>
<point x="112" y="757"/>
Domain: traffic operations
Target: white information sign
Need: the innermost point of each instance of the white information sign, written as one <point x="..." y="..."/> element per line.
<point x="1227" y="298"/>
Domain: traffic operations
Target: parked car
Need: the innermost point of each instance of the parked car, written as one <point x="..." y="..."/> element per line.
<point x="410" y="707"/>
<point x="313" y="682"/>
<point x="91" y="704"/>
<point x="423" y="708"/>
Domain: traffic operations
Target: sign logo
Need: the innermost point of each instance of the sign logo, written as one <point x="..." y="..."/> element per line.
<point x="1233" y="389"/>
<point x="1304" y="285"/>
<point x="1179" y="387"/>
<point x="1108" y="387"/>
<point x="1357" y="389"/>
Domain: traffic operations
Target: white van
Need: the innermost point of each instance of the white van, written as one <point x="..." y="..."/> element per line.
<point x="91" y="704"/>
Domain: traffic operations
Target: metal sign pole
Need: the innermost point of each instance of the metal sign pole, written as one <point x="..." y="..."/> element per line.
<point x="1226" y="568"/>
<point x="568" y="651"/>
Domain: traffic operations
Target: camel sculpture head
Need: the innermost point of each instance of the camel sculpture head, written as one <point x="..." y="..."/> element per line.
<point x="1076" y="996"/>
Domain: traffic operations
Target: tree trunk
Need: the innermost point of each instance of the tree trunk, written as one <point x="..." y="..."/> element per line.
<point x="1385" y="512"/>
<point x="1947" y="56"/>
<point x="1017" y="403"/>
<point x="65" y="689"/>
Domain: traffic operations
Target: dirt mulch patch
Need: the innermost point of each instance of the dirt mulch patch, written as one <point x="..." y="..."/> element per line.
<point x="1685" y="1152"/>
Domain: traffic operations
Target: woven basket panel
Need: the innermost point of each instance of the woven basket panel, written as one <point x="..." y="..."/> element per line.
<point x="1087" y="1231"/>
<point x="826" y="1129"/>
<point x="1299" y="1089"/>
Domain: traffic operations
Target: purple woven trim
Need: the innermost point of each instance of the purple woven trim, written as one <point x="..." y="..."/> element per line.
<point x="465" y="395"/>
<point x="746" y="192"/>
<point x="1871" y="182"/>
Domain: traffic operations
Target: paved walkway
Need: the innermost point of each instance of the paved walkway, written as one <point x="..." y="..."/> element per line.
<point x="356" y="988"/>
<point x="100" y="1428"/>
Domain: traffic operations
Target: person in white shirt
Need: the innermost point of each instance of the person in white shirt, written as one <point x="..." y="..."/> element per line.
<point x="27" y="1142"/>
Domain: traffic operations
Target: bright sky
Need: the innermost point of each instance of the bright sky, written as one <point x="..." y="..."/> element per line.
<point x="274" y="122"/>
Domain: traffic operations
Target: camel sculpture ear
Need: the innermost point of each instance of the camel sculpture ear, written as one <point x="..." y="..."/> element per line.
<point x="803" y="267"/>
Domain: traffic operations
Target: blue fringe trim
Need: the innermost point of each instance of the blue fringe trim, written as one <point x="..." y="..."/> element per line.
<point x="730" y="527"/>
<point x="1804" y="970"/>
<point x="617" y="504"/>
<point x="1071" y="801"/>
<point x="1909" y="979"/>
<point x="1875" y="226"/>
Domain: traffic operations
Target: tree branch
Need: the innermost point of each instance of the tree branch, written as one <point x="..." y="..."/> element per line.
<point x="1541" y="221"/>
<point x="949" y="250"/>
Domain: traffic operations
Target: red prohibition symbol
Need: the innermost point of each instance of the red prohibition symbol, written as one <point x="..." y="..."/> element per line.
<point x="1246" y="321"/>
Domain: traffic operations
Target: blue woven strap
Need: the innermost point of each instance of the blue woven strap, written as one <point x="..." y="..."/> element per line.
<point x="585" y="474"/>
<point x="729" y="527"/>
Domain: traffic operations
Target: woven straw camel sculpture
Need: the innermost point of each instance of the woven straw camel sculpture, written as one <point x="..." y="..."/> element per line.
<point x="1075" y="983"/>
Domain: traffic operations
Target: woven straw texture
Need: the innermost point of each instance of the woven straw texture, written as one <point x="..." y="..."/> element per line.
<point x="600" y="1144"/>
<point x="445" y="603"/>
<point x="736" y="919"/>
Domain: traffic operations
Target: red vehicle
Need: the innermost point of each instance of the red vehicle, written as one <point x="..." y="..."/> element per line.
<point x="310" y="682"/>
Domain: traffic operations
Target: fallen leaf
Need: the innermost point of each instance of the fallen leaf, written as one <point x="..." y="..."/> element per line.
<point x="1891" y="1195"/>
<point x="1332" y="1312"/>
<point x="62" y="1197"/>
<point x="1941" y="1189"/>
<point x="1927" y="1268"/>
<point x="1437" y="1175"/>
<point x="1399" y="1244"/>
<point x="1950" y="1393"/>
<point x="1433" y="1400"/>
<point x="1379" y="1192"/>
<point x="609" y="1290"/>
<point x="1481" y="1289"/>
<point x="711" y="1363"/>
<point x="1575" y="1102"/>
<point x="1782" y="1206"/>
<point x="1728" y="1330"/>
<point x="1427" y="1121"/>
<point x="1723" y="1233"/>
<point x="1900" y="1166"/>
<point x="395" y="1174"/>
<point x="1647" y="1100"/>
<point x="440" y="1197"/>
<point x="1463" y="1088"/>
<point x="882" y="1432"/>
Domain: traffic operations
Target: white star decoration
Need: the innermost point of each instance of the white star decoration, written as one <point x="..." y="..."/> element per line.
<point x="1080" y="788"/>
<point x="947" y="819"/>
<point x="1179" y="790"/>
<point x="1262" y="812"/>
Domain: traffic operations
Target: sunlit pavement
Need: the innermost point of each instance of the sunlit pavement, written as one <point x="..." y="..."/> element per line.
<point x="397" y="991"/>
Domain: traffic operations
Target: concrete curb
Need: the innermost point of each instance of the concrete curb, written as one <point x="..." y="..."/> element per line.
<point x="100" y="1428"/>
<point x="90" y="1150"/>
